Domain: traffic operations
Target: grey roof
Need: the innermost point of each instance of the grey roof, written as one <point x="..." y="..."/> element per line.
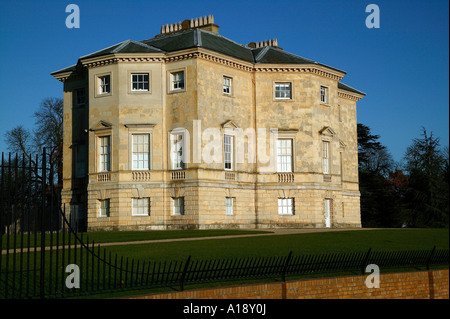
<point x="209" y="40"/>
<point x="343" y="86"/>
<point x="128" y="46"/>
<point x="215" y="42"/>
<point x="68" y="69"/>
<point x="204" y="39"/>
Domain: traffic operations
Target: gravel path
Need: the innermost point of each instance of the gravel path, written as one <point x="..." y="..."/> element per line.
<point x="273" y="232"/>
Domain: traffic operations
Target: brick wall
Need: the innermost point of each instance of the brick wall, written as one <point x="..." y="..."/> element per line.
<point x="410" y="285"/>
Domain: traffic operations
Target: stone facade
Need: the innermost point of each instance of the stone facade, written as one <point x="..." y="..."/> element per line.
<point x="253" y="186"/>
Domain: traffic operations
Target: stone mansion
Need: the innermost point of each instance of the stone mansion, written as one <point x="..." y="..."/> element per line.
<point x="191" y="130"/>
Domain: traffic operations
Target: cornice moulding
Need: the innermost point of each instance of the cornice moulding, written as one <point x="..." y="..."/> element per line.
<point x="216" y="58"/>
<point x="63" y="76"/>
<point x="349" y="95"/>
<point x="115" y="58"/>
<point x="305" y="68"/>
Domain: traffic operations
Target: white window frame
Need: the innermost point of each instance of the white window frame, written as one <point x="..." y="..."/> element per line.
<point x="105" y="208"/>
<point x="104" y="86"/>
<point x="286" y="206"/>
<point x="104" y="153"/>
<point x="177" y="83"/>
<point x="228" y="151"/>
<point x="178" y="206"/>
<point x="280" y="87"/>
<point x="227" y="85"/>
<point x="285" y="161"/>
<point x="137" y="155"/>
<point x="328" y="210"/>
<point x="324" y="92"/>
<point x="326" y="157"/>
<point x="140" y="206"/>
<point x="178" y="161"/>
<point x="138" y="82"/>
<point x="229" y="206"/>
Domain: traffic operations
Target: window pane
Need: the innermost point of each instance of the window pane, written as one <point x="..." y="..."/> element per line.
<point x="228" y="151"/>
<point x="284" y="155"/>
<point x="178" y="80"/>
<point x="229" y="206"/>
<point x="178" y="206"/>
<point x="105" y="84"/>
<point x="141" y="151"/>
<point x="283" y="90"/>
<point x="104" y="208"/>
<point x="141" y="206"/>
<point x="105" y="153"/>
<point x="285" y="206"/>
<point x="177" y="151"/>
<point x="140" y="82"/>
<point x="326" y="158"/>
<point x="226" y="85"/>
<point x="323" y="94"/>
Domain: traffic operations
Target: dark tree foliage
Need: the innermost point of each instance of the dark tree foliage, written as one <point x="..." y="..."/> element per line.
<point x="427" y="195"/>
<point x="416" y="196"/>
<point x="380" y="201"/>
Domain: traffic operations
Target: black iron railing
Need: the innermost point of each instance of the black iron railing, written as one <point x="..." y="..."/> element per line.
<point x="38" y="244"/>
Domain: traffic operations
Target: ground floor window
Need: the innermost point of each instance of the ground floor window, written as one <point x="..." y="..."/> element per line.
<point x="328" y="211"/>
<point x="104" y="208"/>
<point x="285" y="206"/>
<point x="141" y="207"/>
<point x="178" y="206"/>
<point x="229" y="206"/>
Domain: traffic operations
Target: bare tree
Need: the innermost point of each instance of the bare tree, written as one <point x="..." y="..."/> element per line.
<point x="49" y="123"/>
<point x="49" y="130"/>
<point x="48" y="133"/>
<point x="19" y="140"/>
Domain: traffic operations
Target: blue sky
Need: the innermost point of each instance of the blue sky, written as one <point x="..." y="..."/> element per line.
<point x="403" y="66"/>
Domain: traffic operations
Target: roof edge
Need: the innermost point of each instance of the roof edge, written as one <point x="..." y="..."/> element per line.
<point x="345" y="87"/>
<point x="64" y="70"/>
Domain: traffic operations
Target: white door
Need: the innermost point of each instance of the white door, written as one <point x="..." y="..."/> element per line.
<point x="328" y="213"/>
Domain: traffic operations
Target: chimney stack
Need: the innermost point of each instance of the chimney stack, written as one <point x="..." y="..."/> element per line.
<point x="204" y="23"/>
<point x="260" y="44"/>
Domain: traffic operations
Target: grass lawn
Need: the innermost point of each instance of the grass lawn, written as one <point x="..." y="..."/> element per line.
<point x="280" y="245"/>
<point x="224" y="248"/>
<point x="125" y="236"/>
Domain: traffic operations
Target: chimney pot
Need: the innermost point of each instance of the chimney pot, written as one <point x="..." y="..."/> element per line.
<point x="259" y="44"/>
<point x="206" y="23"/>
